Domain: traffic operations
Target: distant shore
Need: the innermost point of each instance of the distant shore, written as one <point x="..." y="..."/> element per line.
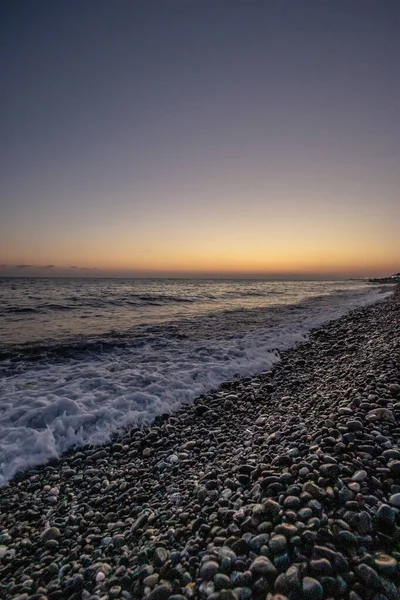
<point x="286" y="483"/>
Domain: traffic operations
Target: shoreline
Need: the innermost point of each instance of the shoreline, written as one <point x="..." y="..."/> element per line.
<point x="283" y="483"/>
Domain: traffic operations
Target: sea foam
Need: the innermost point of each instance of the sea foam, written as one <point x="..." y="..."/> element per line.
<point x="50" y="405"/>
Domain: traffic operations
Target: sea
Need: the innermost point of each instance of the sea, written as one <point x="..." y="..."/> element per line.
<point x="82" y="359"/>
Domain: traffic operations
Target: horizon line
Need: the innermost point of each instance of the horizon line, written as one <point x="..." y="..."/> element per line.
<point x="249" y="276"/>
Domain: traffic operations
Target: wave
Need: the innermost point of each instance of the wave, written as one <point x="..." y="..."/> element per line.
<point x="40" y="308"/>
<point x="20" y="310"/>
<point x="79" y="346"/>
<point x="95" y="388"/>
<point x="162" y="298"/>
<point x="252" y="294"/>
<point x="137" y="300"/>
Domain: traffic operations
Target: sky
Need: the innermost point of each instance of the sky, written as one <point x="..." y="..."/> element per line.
<point x="200" y="137"/>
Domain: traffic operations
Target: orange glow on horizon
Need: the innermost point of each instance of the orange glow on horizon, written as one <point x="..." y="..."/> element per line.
<point x="241" y="240"/>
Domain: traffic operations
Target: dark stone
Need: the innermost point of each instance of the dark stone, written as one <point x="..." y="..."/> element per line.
<point x="161" y="592"/>
<point x="312" y="589"/>
<point x="320" y="567"/>
<point x="262" y="566"/>
<point x="368" y="576"/>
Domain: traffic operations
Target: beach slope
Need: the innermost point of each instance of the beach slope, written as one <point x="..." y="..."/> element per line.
<point x="285" y="485"/>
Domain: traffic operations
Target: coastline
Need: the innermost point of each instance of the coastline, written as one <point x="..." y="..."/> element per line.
<point x="284" y="483"/>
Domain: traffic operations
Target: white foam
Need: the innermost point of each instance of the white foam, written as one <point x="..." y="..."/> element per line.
<point x="47" y="409"/>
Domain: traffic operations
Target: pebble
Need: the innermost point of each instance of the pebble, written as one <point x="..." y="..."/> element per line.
<point x="277" y="544"/>
<point x="161" y="592"/>
<point x="359" y="476"/>
<point x="292" y="502"/>
<point x="283" y="486"/>
<point x="262" y="566"/>
<point x="115" y="591"/>
<point x="52" y="533"/>
<point x="312" y="589"/>
<point x="160" y="557"/>
<point x="208" y="570"/>
<point x="314" y="490"/>
<point x="394" y="500"/>
<point x="385" y="563"/>
<point x="368" y="576"/>
<point x="386" y="515"/>
<point x="321" y="567"/>
<point x="222" y="581"/>
<point x="394" y="466"/>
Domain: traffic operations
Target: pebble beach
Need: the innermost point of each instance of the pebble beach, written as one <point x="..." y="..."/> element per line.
<point x="281" y="486"/>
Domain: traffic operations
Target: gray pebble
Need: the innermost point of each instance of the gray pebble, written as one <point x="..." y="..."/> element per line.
<point x="312" y="589"/>
<point x="161" y="592"/>
<point x="262" y="566"/>
<point x="208" y="569"/>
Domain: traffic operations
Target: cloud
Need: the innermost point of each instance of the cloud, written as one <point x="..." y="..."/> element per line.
<point x="23" y="266"/>
<point x="47" y="267"/>
<point x="3" y="266"/>
<point x="83" y="268"/>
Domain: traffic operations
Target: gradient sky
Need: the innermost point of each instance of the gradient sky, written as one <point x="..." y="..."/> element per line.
<point x="212" y="136"/>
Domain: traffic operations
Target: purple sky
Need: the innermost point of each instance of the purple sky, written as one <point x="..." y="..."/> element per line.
<point x="182" y="136"/>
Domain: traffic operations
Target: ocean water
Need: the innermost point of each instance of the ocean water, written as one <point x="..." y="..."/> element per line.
<point x="81" y="359"/>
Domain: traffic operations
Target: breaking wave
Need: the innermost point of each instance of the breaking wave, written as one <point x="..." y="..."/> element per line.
<point x="59" y="394"/>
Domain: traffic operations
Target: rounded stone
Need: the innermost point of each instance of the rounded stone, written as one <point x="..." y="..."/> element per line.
<point x="262" y="566"/>
<point x="52" y="545"/>
<point x="51" y="533"/>
<point x="394" y="466"/>
<point x="321" y="566"/>
<point x="359" y="476"/>
<point x="258" y="541"/>
<point x="368" y="576"/>
<point x="391" y="454"/>
<point x="385" y="564"/>
<point x="354" y="425"/>
<point x="151" y="580"/>
<point x="160" y="557"/>
<point x="161" y="592"/>
<point x="292" y="502"/>
<point x="386" y="514"/>
<point x="354" y="486"/>
<point x="394" y="500"/>
<point x="242" y="593"/>
<point x="208" y="570"/>
<point x="303" y="472"/>
<point x="286" y="529"/>
<point x="277" y="544"/>
<point x="222" y="581"/>
<point x="312" y="589"/>
<point x="345" y="410"/>
<point x="329" y="470"/>
<point x="305" y="513"/>
<point x="347" y="538"/>
<point x="314" y="490"/>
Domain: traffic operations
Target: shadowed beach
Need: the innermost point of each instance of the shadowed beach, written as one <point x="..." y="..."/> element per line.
<point x="284" y="485"/>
